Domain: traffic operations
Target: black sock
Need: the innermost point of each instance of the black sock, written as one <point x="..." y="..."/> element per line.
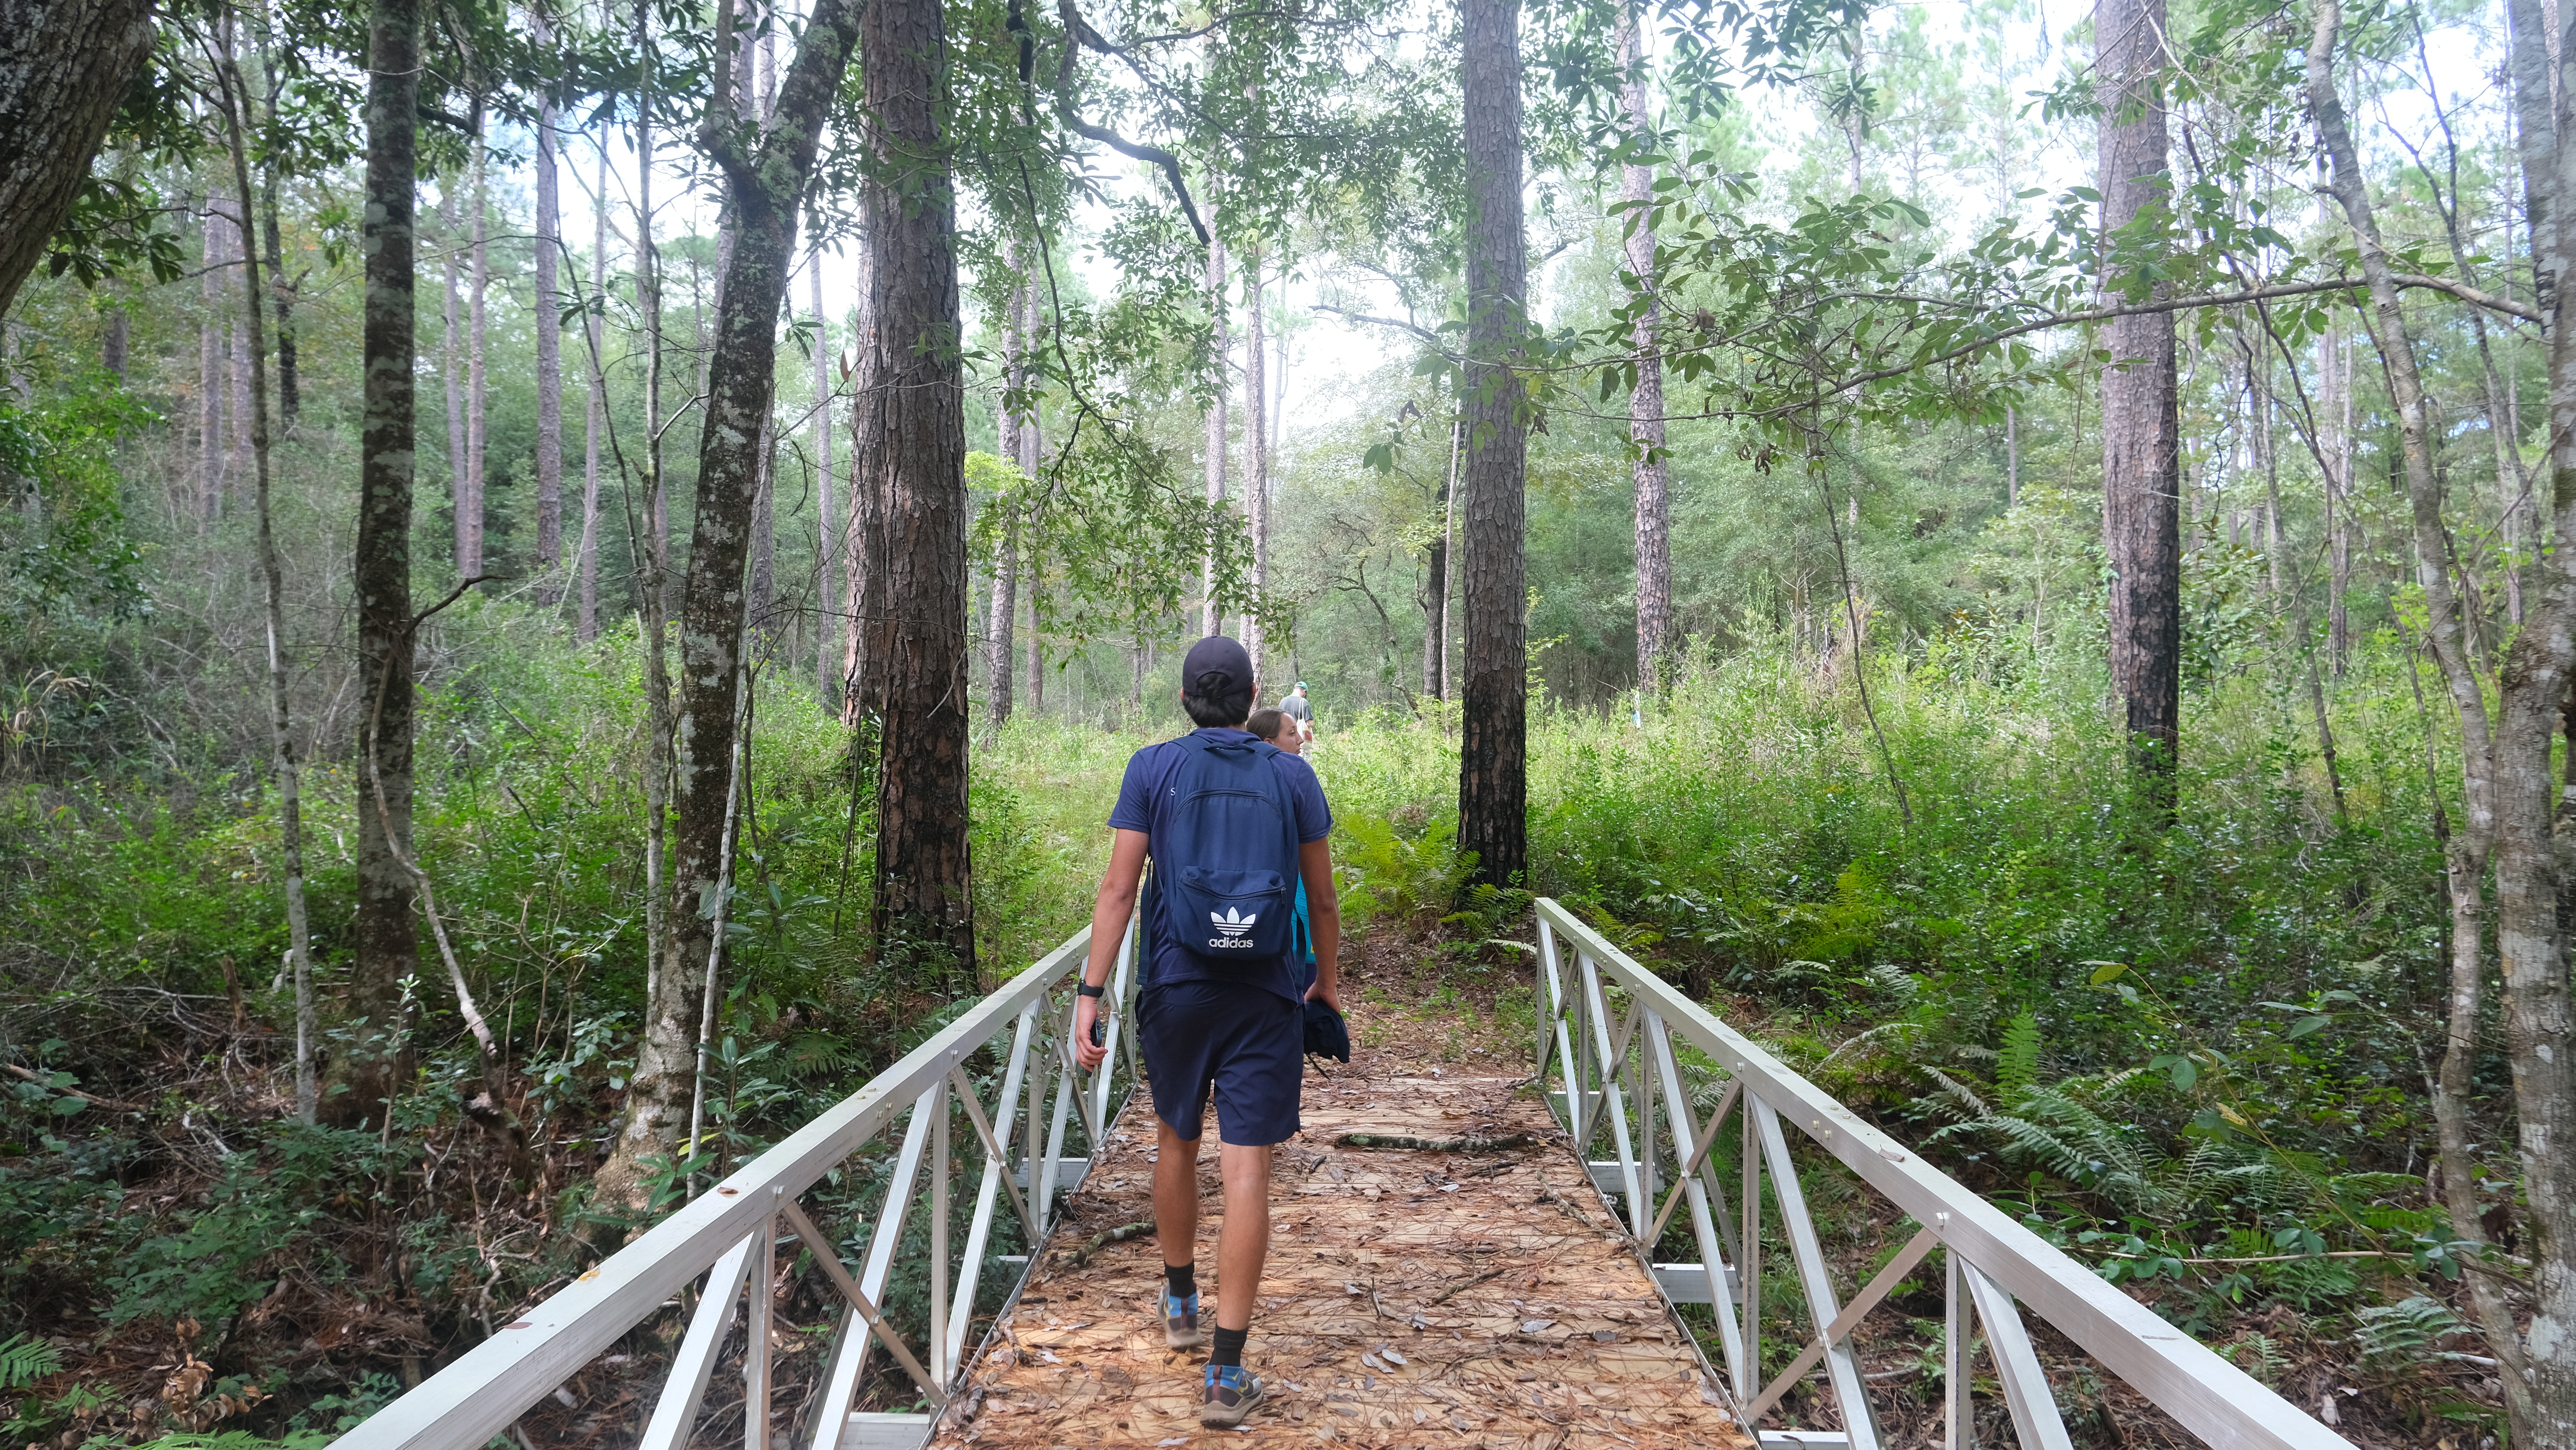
<point x="1229" y="1346"/>
<point x="1182" y="1280"/>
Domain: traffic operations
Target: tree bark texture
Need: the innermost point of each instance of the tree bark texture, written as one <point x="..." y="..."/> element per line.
<point x="915" y="396"/>
<point x="1493" y="787"/>
<point x="2508" y="795"/>
<point x="211" y="455"/>
<point x="2141" y="423"/>
<point x="1646" y="400"/>
<point x="64" y="66"/>
<point x="386" y="936"/>
<point x="594" y="421"/>
<point x="451" y="364"/>
<point x="827" y="575"/>
<point x="1210" y="620"/>
<point x="764" y="181"/>
<point x="290" y="795"/>
<point x="290" y="385"/>
<point x="549" y="560"/>
<point x="469" y="520"/>
<point x="999" y="660"/>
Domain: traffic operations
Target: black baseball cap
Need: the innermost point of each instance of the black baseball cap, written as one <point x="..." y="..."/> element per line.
<point x="1217" y="654"/>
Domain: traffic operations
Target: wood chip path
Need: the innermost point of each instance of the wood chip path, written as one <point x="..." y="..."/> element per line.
<point x="1411" y="1298"/>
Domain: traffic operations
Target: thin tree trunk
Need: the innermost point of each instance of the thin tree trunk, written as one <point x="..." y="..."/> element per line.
<point x="826" y="555"/>
<point x="470" y="523"/>
<point x="2012" y="458"/>
<point x="451" y="366"/>
<point x="2141" y="425"/>
<point x="210" y="372"/>
<point x="1211" y="619"/>
<point x="386" y="939"/>
<point x="116" y="330"/>
<point x="1654" y="552"/>
<point x="548" y="564"/>
<point x="1256" y="456"/>
<point x="595" y="417"/>
<point x="916" y="397"/>
<point x="290" y="798"/>
<point x="290" y="387"/>
<point x="2505" y="762"/>
<point x="998" y="656"/>
<point x="1435" y="581"/>
<point x="1037" y="642"/>
<point x="700" y="722"/>
<point x="1493" y="789"/>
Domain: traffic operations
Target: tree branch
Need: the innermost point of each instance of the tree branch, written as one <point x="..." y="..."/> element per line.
<point x="1081" y="33"/>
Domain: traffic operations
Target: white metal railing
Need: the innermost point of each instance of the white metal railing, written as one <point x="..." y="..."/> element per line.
<point x="732" y="1234"/>
<point x="1621" y="1072"/>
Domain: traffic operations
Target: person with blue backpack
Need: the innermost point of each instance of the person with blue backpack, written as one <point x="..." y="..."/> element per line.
<point x="1232" y="826"/>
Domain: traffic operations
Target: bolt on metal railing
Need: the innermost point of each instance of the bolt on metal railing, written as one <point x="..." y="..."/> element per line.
<point x="1622" y="1071"/>
<point x="732" y="1236"/>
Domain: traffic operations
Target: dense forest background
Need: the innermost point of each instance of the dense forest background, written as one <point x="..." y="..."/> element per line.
<point x="1861" y="766"/>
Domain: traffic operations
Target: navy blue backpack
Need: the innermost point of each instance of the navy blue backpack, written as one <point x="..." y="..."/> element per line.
<point x="1225" y="853"/>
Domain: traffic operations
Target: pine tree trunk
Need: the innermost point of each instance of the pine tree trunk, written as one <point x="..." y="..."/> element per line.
<point x="918" y="451"/>
<point x="549" y="561"/>
<point x="1493" y="789"/>
<point x="594" y="421"/>
<point x="2141" y="428"/>
<point x="451" y="368"/>
<point x="1646" y="401"/>
<point x="1256" y="458"/>
<point x="65" y="67"/>
<point x="386" y="938"/>
<point x="114" y="335"/>
<point x="470" y="523"/>
<point x="1211" y="620"/>
<point x="1036" y="581"/>
<point x="827" y="575"/>
<point x="998" y="656"/>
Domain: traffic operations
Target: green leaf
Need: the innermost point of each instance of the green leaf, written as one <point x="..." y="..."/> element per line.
<point x="2105" y="972"/>
<point x="2307" y="1025"/>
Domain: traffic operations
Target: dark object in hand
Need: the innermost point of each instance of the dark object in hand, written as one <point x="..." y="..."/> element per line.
<point x="1327" y="1035"/>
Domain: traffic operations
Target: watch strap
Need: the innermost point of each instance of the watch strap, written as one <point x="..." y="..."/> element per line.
<point x="1088" y="990"/>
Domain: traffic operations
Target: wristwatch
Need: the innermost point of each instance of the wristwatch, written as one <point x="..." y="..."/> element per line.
<point x="1088" y="990"/>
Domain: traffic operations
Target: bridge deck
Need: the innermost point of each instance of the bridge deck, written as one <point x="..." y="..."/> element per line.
<point x="1515" y="1313"/>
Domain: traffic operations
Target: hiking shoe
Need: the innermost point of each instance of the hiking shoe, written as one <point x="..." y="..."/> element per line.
<point x="1181" y="1322"/>
<point x="1232" y="1392"/>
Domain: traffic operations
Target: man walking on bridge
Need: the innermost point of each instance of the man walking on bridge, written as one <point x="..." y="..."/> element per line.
<point x="1232" y="824"/>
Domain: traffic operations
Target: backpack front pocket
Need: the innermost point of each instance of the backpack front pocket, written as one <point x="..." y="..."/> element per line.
<point x="1246" y="915"/>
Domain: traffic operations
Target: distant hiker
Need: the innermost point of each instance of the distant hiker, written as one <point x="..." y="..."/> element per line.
<point x="1233" y="825"/>
<point x="1281" y="731"/>
<point x="1294" y="705"/>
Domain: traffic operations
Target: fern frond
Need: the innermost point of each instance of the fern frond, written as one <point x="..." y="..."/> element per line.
<point x="25" y="1359"/>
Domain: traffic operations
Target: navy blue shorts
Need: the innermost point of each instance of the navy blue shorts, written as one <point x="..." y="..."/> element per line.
<point x="1245" y="1042"/>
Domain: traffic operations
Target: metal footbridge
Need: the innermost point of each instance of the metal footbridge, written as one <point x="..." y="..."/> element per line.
<point x="1452" y="1263"/>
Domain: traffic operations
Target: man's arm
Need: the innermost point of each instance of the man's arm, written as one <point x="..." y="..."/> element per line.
<point x="1109" y="912"/>
<point x="1324" y="918"/>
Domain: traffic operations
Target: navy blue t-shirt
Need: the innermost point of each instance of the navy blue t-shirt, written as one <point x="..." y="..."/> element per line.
<point x="1143" y="798"/>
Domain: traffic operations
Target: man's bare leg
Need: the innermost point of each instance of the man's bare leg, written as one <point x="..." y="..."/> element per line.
<point x="1176" y="1193"/>
<point x="1243" y="1240"/>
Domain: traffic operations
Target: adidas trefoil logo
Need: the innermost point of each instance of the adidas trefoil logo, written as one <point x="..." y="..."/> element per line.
<point x="1230" y="928"/>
